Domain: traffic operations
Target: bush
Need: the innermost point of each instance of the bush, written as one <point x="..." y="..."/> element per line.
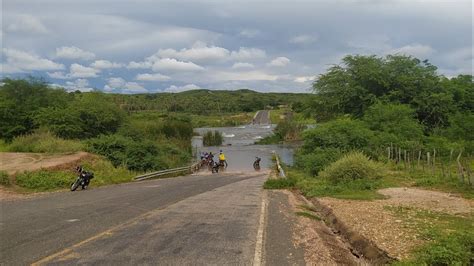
<point x="396" y="119"/>
<point x="279" y="183"/>
<point x="212" y="138"/>
<point x="4" y="179"/>
<point x="344" y="134"/>
<point x="138" y="155"/>
<point x="456" y="249"/>
<point x="45" y="180"/>
<point x="86" y="117"/>
<point x="44" y="141"/>
<point x="352" y="166"/>
<point x="312" y="163"/>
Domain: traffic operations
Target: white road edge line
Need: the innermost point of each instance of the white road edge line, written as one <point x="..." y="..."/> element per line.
<point x="257" y="260"/>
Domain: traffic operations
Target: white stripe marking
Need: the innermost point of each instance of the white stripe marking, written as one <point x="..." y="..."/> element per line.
<point x="257" y="261"/>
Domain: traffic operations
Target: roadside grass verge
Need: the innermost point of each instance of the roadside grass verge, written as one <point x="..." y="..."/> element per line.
<point x="47" y="180"/>
<point x="308" y="215"/>
<point x="450" y="239"/>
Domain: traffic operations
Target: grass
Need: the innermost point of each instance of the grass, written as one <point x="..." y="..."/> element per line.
<point x="450" y="239"/>
<point x="45" y="142"/>
<point x="47" y="180"/>
<point x="4" y="179"/>
<point x="280" y="183"/>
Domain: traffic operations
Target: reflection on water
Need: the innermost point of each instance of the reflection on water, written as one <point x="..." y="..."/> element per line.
<point x="239" y="149"/>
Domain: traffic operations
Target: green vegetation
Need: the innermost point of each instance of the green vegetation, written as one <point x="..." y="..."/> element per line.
<point x="212" y="138"/>
<point x="388" y="122"/>
<point x="45" y="180"/>
<point x="44" y="141"/>
<point x="4" y="179"/>
<point x="450" y="238"/>
<point x="352" y="166"/>
<point x="279" y="183"/>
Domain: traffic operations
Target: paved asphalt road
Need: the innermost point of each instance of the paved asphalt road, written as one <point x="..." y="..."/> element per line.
<point x="198" y="219"/>
<point x="262" y="117"/>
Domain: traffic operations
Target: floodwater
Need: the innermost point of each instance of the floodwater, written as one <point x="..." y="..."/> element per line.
<point x="239" y="148"/>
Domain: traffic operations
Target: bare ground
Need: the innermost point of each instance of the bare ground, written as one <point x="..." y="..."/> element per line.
<point x="14" y="162"/>
<point x="374" y="221"/>
<point x="321" y="245"/>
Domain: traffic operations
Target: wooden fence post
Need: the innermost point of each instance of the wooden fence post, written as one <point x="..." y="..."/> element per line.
<point x="460" y="168"/>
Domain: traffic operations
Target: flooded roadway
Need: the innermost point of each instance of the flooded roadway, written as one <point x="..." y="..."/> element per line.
<point x="239" y="146"/>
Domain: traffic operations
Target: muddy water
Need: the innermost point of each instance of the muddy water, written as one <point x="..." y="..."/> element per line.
<point x="239" y="147"/>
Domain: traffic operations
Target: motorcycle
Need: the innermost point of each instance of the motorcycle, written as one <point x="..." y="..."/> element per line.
<point x="83" y="180"/>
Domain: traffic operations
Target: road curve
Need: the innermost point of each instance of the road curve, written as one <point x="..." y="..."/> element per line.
<point x="201" y="219"/>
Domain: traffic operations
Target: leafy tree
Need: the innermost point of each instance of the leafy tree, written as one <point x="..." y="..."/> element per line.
<point x="396" y="119"/>
<point x="20" y="99"/>
<point x="344" y="134"/>
<point x="89" y="115"/>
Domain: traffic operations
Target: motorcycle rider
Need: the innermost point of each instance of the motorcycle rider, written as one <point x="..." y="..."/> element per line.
<point x="222" y="160"/>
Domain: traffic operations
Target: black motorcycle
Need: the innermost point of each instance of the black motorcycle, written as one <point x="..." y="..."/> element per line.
<point x="83" y="180"/>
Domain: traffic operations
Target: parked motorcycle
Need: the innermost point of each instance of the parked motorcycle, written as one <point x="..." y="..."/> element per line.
<point x="83" y="179"/>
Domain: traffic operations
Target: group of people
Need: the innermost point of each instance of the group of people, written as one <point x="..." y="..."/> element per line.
<point x="207" y="158"/>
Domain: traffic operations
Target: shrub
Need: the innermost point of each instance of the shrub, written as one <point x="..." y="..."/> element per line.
<point x="212" y="138"/>
<point x="87" y="116"/>
<point x="312" y="163"/>
<point x="345" y="134"/>
<point x="279" y="183"/>
<point x="44" y="141"/>
<point x="352" y="166"/>
<point x="4" y="179"/>
<point x="45" y="180"/>
<point x="138" y="155"/>
<point x="396" y="119"/>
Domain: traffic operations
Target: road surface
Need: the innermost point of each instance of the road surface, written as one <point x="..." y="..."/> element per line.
<point x="198" y="219"/>
<point x="262" y="117"/>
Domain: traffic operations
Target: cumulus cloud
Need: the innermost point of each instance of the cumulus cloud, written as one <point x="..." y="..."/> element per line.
<point x="19" y="61"/>
<point x="175" y="89"/>
<point x="139" y="65"/>
<point x="26" y="24"/>
<point x="117" y="84"/>
<point x="105" y="64"/>
<point x="245" y="53"/>
<point x="199" y="52"/>
<point x="78" y="84"/>
<point x="279" y="62"/>
<point x="303" y="39"/>
<point x="58" y="75"/>
<point x="80" y="71"/>
<point x="152" y="77"/>
<point x="171" y="64"/>
<point x="240" y="65"/>
<point x="416" y="50"/>
<point x="304" y="79"/>
<point x="243" y="76"/>
<point x="73" y="52"/>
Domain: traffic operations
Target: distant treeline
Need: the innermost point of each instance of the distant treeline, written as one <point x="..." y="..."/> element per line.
<point x="205" y="102"/>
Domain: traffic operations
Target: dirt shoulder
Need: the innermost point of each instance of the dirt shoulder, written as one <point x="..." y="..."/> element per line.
<point x="375" y="221"/>
<point x="14" y="162"/>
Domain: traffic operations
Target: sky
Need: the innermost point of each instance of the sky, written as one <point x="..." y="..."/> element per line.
<point x="145" y="46"/>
